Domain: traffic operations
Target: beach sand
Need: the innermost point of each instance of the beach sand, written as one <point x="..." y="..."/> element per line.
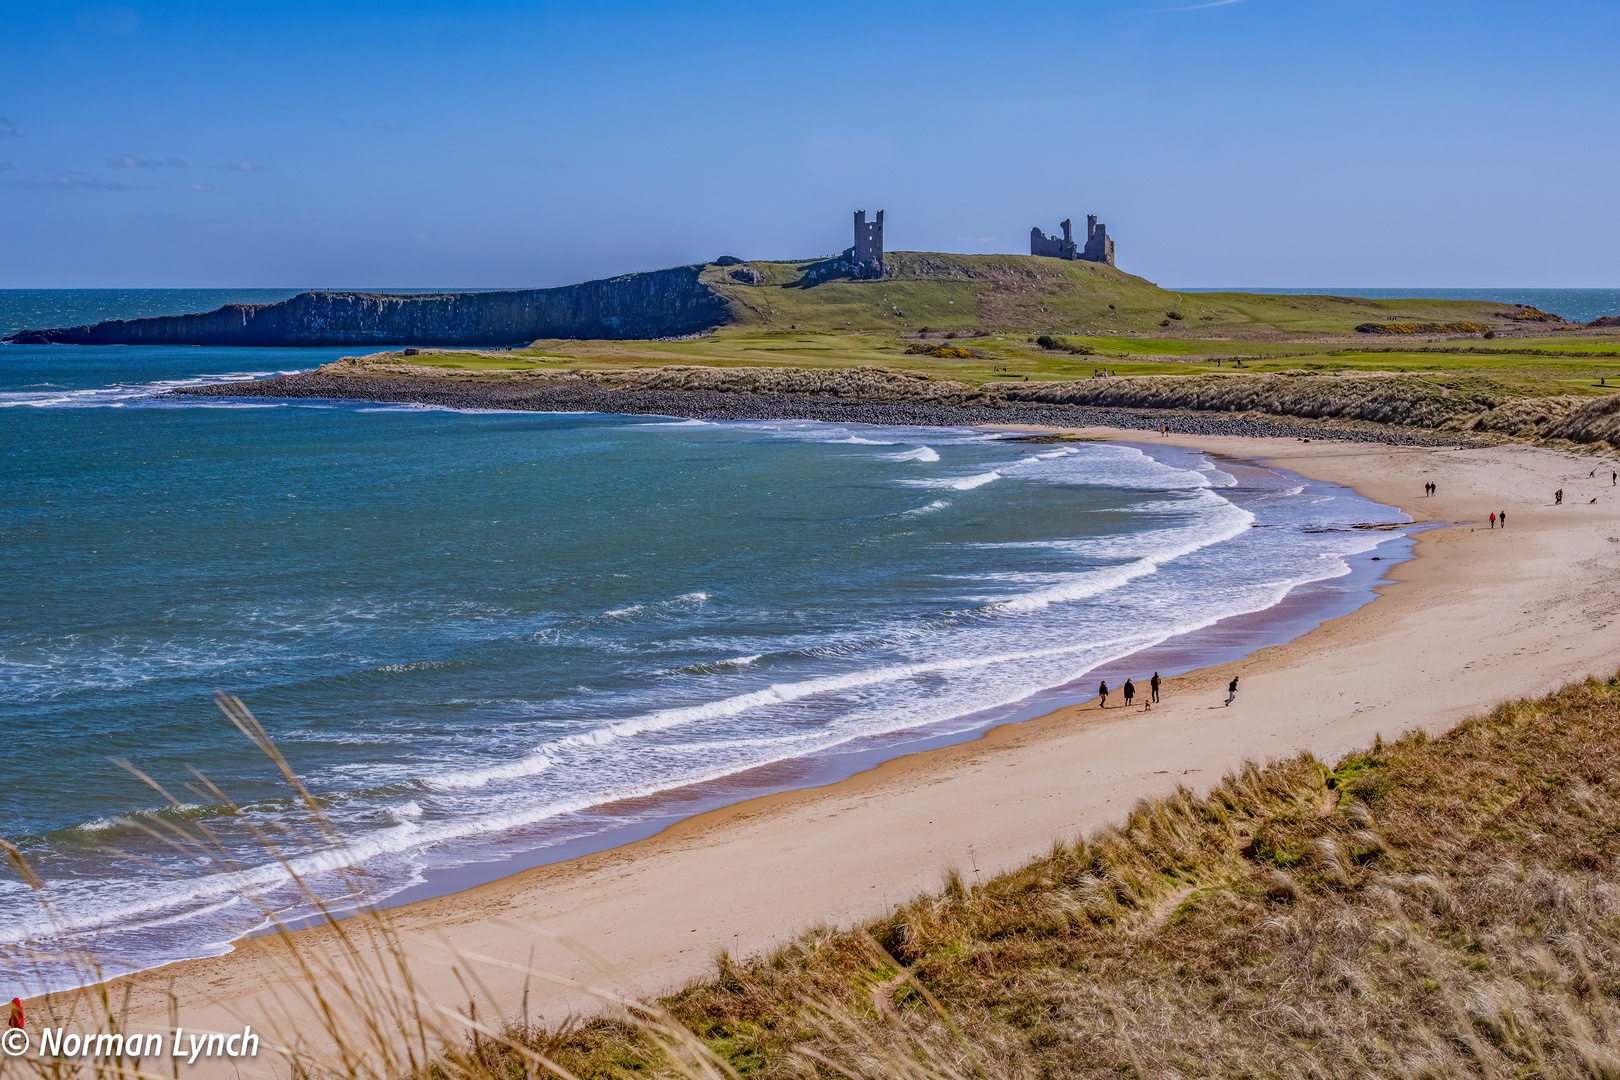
<point x="1479" y="616"/>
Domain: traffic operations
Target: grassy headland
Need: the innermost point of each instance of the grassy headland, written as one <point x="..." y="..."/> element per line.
<point x="1048" y="296"/>
<point x="999" y="329"/>
<point x="1426" y="908"/>
<point x="981" y="319"/>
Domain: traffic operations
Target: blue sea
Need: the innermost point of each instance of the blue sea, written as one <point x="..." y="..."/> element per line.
<point x="1575" y="305"/>
<point x="488" y="639"/>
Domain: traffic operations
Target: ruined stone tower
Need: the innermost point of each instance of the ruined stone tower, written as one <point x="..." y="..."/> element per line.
<point x="868" y="249"/>
<point x="1099" y="246"/>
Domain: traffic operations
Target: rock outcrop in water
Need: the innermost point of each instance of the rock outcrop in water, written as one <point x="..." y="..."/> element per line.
<point x="660" y="303"/>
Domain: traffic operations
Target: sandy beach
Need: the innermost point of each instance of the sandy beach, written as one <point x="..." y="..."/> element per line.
<point x="1478" y="616"/>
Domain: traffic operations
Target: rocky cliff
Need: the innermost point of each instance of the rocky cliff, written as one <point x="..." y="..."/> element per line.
<point x="660" y="303"/>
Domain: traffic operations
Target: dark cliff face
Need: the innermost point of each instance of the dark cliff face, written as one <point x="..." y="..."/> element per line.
<point x="661" y="303"/>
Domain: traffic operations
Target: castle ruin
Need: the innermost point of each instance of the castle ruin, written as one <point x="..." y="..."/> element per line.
<point x="867" y="254"/>
<point x="1099" y="245"/>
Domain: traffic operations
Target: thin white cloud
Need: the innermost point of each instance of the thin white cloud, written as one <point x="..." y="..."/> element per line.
<point x="202" y="187"/>
<point x="1196" y="7"/>
<point x="130" y="161"/>
<point x="245" y="166"/>
<point x="63" y="181"/>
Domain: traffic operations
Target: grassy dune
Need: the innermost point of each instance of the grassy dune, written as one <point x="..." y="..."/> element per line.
<point x="1426" y="908"/>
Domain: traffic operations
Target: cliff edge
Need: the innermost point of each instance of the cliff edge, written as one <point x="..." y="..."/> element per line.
<point x="659" y="303"/>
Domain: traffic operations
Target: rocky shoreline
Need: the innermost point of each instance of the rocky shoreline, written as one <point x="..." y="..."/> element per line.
<point x="584" y="396"/>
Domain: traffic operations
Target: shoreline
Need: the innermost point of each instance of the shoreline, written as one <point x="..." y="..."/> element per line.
<point x="1229" y="639"/>
<point x="892" y="809"/>
<point x="579" y="395"/>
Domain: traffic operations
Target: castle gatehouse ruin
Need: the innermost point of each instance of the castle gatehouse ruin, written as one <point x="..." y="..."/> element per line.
<point x="1099" y="245"/>
<point x="867" y="254"/>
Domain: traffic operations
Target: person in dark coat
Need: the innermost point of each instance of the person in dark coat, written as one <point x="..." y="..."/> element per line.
<point x="1130" y="692"/>
<point x="1153" y="685"/>
<point x="1231" y="691"/>
<point x="1102" y="692"/>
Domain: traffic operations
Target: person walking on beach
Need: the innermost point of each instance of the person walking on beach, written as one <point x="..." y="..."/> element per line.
<point x="1102" y="693"/>
<point x="1130" y="693"/>
<point x="1614" y="479"/>
<point x="1558" y="497"/>
<point x="1501" y="518"/>
<point x="1493" y="519"/>
<point x="1231" y="690"/>
<point x="1153" y="685"/>
<point x="16" y="1020"/>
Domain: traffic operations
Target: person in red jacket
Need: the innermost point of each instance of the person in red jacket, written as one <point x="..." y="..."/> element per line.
<point x="16" y="1013"/>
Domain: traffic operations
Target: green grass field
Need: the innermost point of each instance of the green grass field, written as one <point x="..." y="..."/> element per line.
<point x="1014" y="356"/>
<point x="995" y="306"/>
<point x="1041" y="296"/>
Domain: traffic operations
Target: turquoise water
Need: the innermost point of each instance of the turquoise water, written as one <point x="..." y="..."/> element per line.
<point x="475" y="634"/>
<point x="1576" y="305"/>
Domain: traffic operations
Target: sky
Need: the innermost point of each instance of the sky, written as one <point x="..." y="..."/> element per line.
<point x="1392" y="143"/>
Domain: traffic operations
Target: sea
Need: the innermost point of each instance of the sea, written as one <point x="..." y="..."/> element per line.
<point x="1575" y="305"/>
<point x="481" y="640"/>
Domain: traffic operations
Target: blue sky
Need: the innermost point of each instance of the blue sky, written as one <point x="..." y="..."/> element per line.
<point x="1252" y="142"/>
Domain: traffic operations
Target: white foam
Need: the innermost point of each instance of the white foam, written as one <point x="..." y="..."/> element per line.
<point x="419" y="407"/>
<point x="937" y="504"/>
<point x="121" y="394"/>
<point x="690" y="599"/>
<point x="780" y="693"/>
<point x="533" y="764"/>
<point x="956" y="483"/>
<point x="1165" y="545"/>
<point x="919" y="453"/>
